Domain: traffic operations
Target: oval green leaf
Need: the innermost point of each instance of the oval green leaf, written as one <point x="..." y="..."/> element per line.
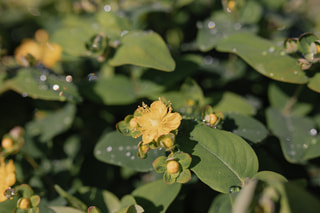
<point x="220" y="159"/>
<point x="258" y="53"/>
<point x="117" y="149"/>
<point x="146" y="49"/>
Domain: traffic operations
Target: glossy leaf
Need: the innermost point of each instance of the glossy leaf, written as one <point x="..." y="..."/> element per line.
<point x="156" y="196"/>
<point x="52" y="123"/>
<point x="245" y="126"/>
<point x="220" y="159"/>
<point x="146" y="49"/>
<point x="258" y="53"/>
<point x="117" y="149"/>
<point x="298" y="137"/>
<point x="231" y="102"/>
<point x="314" y="83"/>
<point x="41" y="84"/>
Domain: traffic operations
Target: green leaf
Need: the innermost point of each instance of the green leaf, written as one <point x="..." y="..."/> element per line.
<point x="118" y="90"/>
<point x="221" y="204"/>
<point x="215" y="28"/>
<point x="126" y="201"/>
<point x="270" y="176"/>
<point x="3" y="87"/>
<point x="307" y="45"/>
<point x="220" y="159"/>
<point x="62" y="209"/>
<point x="245" y="126"/>
<point x="41" y="84"/>
<point x="53" y="123"/>
<point x="156" y="196"/>
<point x="232" y="102"/>
<point x="146" y="49"/>
<point x="117" y="149"/>
<point x="314" y="83"/>
<point x="8" y="205"/>
<point x="298" y="137"/>
<point x="258" y="53"/>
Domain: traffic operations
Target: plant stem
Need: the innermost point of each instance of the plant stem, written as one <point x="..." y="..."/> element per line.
<point x="289" y="105"/>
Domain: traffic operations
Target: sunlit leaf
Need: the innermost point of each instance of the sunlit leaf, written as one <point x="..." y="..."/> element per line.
<point x="146" y="49"/>
<point x="219" y="158"/>
<point x="259" y="52"/>
<point x="64" y="209"/>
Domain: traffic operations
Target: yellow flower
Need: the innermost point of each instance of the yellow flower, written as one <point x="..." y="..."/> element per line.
<point x="7" y="177"/>
<point x="156" y="120"/>
<point x="43" y="51"/>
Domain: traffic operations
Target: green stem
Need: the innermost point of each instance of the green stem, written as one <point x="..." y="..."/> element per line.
<point x="289" y="105"/>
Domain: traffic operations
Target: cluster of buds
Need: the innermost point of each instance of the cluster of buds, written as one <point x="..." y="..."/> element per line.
<point x="307" y="45"/>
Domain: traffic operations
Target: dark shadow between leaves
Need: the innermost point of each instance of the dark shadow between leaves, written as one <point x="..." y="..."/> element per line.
<point x="186" y="144"/>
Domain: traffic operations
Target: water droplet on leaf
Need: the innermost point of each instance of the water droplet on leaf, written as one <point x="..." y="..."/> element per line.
<point x="211" y="25"/>
<point x="43" y="77"/>
<point x="233" y="189"/>
<point x="69" y="78"/>
<point x="109" y="149"/>
<point x="55" y="87"/>
<point x="313" y="132"/>
<point x="107" y="8"/>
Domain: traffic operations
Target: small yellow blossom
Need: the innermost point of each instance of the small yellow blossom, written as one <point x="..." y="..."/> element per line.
<point x="7" y="177"/>
<point x="42" y="50"/>
<point x="156" y="120"/>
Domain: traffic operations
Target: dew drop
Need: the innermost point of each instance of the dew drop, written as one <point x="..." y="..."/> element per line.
<point x="55" y="87"/>
<point x="282" y="53"/>
<point x="98" y="152"/>
<point x="264" y="53"/>
<point x="313" y="132"/>
<point x="107" y="8"/>
<point x="128" y="154"/>
<point x="9" y="193"/>
<point x="234" y="49"/>
<point x="24" y="94"/>
<point x="313" y="141"/>
<point x="128" y="147"/>
<point x="237" y="26"/>
<point x="211" y="25"/>
<point x="132" y="157"/>
<point x="92" y="77"/>
<point x="120" y="148"/>
<point x="207" y="59"/>
<point x="109" y="149"/>
<point x="271" y="49"/>
<point x="124" y="32"/>
<point x="43" y="77"/>
<point x="233" y="189"/>
<point x="69" y="78"/>
<point x="199" y="25"/>
<point x="305" y="146"/>
<point x="271" y="74"/>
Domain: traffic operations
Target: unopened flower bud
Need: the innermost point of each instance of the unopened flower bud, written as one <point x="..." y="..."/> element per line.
<point x="173" y="167"/>
<point x="7" y="143"/>
<point x="211" y="119"/>
<point x="24" y="203"/>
